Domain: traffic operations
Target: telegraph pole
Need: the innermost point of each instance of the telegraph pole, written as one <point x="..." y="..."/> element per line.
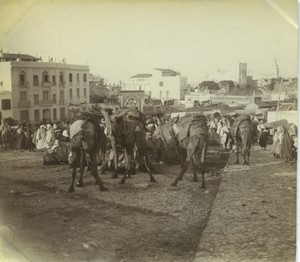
<point x="277" y="74"/>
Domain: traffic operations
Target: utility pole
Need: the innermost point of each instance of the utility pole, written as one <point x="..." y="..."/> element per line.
<point x="277" y="75"/>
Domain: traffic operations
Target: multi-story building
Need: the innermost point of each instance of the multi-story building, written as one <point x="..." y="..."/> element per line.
<point x="138" y="82"/>
<point x="164" y="84"/>
<point x="41" y="90"/>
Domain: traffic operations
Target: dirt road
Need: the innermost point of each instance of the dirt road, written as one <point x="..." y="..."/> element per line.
<point x="138" y="221"/>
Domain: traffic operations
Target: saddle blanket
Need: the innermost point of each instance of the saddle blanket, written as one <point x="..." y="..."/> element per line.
<point x="75" y="127"/>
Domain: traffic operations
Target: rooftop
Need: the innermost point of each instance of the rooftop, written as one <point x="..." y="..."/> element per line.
<point x="142" y="76"/>
<point x="167" y="72"/>
<point x="14" y="57"/>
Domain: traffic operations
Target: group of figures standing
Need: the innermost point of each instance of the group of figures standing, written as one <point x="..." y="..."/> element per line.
<point x="109" y="138"/>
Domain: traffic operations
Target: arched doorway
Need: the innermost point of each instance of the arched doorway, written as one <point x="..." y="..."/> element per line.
<point x="132" y="103"/>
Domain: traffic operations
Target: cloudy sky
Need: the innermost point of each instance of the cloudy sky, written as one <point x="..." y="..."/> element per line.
<point x="118" y="39"/>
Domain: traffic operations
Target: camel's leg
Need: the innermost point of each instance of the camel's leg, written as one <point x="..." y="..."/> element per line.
<point x="237" y="154"/>
<point x="203" y="164"/>
<point x="152" y="179"/>
<point x="183" y="169"/>
<point x="195" y="179"/>
<point x="93" y="159"/>
<point x="128" y="166"/>
<point x="115" y="152"/>
<point x="71" y="188"/>
<point x="80" y="181"/>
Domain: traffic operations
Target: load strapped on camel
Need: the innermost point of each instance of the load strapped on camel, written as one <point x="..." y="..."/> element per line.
<point x="244" y="134"/>
<point x="87" y="139"/>
<point x="130" y="133"/>
<point x="192" y="135"/>
<point x="184" y="126"/>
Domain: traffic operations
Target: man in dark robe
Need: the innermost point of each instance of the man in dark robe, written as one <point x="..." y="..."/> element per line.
<point x="287" y="146"/>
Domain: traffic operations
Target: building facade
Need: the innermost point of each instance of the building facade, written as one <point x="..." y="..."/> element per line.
<point x="42" y="91"/>
<point x="163" y="84"/>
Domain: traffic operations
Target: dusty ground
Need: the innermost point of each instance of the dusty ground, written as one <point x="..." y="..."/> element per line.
<point x="138" y="221"/>
<point x="254" y="214"/>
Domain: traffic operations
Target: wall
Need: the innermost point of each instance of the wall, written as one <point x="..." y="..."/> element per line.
<point x="169" y="90"/>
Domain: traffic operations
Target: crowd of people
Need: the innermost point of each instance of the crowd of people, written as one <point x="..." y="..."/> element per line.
<point x="44" y="136"/>
<point x="283" y="139"/>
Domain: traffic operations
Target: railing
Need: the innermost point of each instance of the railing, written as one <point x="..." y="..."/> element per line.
<point x="24" y="103"/>
<point x="62" y="83"/>
<point x="46" y="84"/>
<point x="47" y="102"/>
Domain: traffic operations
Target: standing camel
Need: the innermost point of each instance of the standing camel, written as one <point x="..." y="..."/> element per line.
<point x="130" y="131"/>
<point x="85" y="147"/>
<point x="192" y="146"/>
<point x="244" y="134"/>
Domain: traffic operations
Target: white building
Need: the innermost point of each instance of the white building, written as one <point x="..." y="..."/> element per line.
<point x="40" y="90"/>
<point x="164" y="84"/>
<point x="139" y="82"/>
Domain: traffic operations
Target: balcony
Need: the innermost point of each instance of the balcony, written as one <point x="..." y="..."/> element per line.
<point x="62" y="101"/>
<point x="46" y="84"/>
<point x="23" y="84"/>
<point x="62" y="83"/>
<point x="47" y="102"/>
<point x="24" y="103"/>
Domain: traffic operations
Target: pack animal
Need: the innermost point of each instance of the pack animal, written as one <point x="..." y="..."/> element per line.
<point x="192" y="145"/>
<point x="85" y="149"/>
<point x="131" y="135"/>
<point x="244" y="134"/>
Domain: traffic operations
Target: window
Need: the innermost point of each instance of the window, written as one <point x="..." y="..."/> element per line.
<point x="62" y="114"/>
<point x="35" y="99"/>
<point x="53" y="80"/>
<point x="54" y="114"/>
<point x="78" y="93"/>
<point x="37" y="116"/>
<point x="24" y="116"/>
<point x="77" y="77"/>
<point x="61" y="77"/>
<point x="160" y="94"/>
<point x="71" y="94"/>
<point x="84" y="92"/>
<point x="161" y="83"/>
<point x="167" y="94"/>
<point x="22" y="78"/>
<point x="61" y="95"/>
<point x="45" y="77"/>
<point x="54" y="98"/>
<point x="6" y="104"/>
<point x="23" y="96"/>
<point x="46" y="95"/>
<point x="84" y="78"/>
<point x="35" y="80"/>
<point x="70" y="78"/>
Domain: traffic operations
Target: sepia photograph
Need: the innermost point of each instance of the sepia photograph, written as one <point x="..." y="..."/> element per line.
<point x="148" y="131"/>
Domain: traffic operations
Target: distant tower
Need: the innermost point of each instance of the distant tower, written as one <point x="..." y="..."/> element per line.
<point x="243" y="75"/>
